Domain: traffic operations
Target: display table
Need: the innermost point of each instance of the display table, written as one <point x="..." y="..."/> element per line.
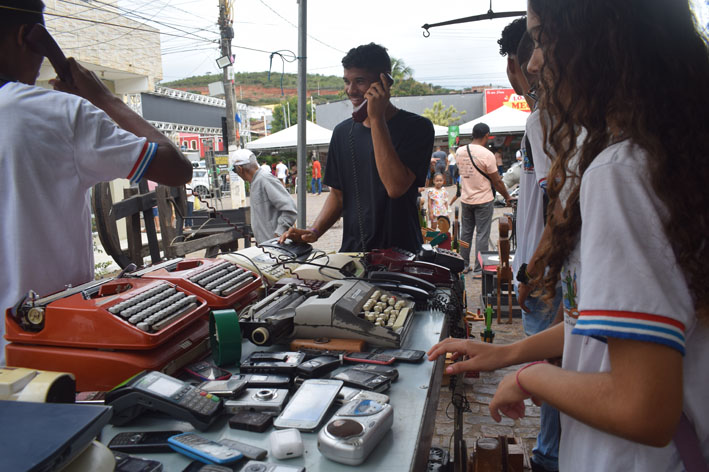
<point x="414" y="397"/>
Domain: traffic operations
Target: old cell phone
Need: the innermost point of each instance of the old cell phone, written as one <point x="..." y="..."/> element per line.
<point x="318" y="366"/>
<point x="363" y="380"/>
<point x="42" y="43"/>
<point x="387" y="371"/>
<point x="142" y="441"/>
<point x="349" y="394"/>
<point x="197" y="466"/>
<point x="359" y="114"/>
<point x="90" y="397"/>
<point x="309" y="404"/>
<point x="403" y="355"/>
<point x="249" y="451"/>
<point x="205" y="370"/>
<point x="224" y="388"/>
<point x="203" y="449"/>
<point x="256" y="466"/>
<point x="251" y="421"/>
<point x="283" y="363"/>
<point x="266" y="380"/>
<point x="157" y="391"/>
<point x="370" y="358"/>
<point x="126" y="463"/>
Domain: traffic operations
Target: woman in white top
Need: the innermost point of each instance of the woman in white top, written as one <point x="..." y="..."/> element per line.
<point x="627" y="238"/>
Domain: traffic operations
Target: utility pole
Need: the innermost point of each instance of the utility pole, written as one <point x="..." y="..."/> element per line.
<point x="302" y="104"/>
<point x="227" y="34"/>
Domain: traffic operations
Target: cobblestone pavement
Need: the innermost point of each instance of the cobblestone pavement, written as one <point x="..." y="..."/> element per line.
<point x="479" y="392"/>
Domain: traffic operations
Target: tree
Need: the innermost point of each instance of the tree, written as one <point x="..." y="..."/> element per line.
<point x="281" y="113"/>
<point x="443" y="117"/>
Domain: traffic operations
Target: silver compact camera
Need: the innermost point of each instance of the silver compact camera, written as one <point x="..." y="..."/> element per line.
<point x="355" y="430"/>
<point x="265" y="400"/>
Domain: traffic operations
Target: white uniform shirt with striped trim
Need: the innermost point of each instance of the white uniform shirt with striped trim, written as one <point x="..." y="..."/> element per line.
<point x="623" y="281"/>
<point x="55" y="147"/>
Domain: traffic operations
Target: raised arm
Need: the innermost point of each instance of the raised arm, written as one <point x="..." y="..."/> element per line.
<point x="169" y="166"/>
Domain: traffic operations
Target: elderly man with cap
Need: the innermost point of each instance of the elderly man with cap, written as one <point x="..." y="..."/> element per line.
<point x="273" y="210"/>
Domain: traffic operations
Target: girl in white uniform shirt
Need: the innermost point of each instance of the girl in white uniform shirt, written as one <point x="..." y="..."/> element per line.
<point x="628" y="239"/>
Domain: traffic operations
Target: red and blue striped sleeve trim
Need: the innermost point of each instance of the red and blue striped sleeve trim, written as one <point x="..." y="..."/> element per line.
<point x="543" y="183"/>
<point x="629" y="325"/>
<point x="146" y="156"/>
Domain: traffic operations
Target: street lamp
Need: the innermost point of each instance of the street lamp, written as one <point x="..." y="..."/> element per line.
<point x="224" y="61"/>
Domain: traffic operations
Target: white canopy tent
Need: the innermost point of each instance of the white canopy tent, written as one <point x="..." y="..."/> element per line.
<point x="503" y="120"/>
<point x="315" y="136"/>
<point x="440" y="131"/>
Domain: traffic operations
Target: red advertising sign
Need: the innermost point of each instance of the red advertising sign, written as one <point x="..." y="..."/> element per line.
<point x="496" y="98"/>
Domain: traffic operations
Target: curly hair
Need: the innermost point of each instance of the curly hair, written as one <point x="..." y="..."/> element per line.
<point x="371" y="57"/>
<point x="641" y="67"/>
<point x="511" y="36"/>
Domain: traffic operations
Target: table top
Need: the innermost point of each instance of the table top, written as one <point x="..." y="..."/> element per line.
<point x="413" y="396"/>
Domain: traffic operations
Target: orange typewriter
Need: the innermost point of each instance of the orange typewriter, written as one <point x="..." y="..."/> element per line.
<point x="221" y="283"/>
<point x="108" y="330"/>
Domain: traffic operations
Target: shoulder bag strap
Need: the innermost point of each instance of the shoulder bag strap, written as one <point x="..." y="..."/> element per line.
<point x="492" y="187"/>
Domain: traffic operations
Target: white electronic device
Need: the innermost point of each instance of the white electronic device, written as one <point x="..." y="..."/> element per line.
<point x="263" y="261"/>
<point x="286" y="443"/>
<point x="30" y="385"/>
<point x="306" y="410"/>
<point x="355" y="430"/>
<point x="328" y="267"/>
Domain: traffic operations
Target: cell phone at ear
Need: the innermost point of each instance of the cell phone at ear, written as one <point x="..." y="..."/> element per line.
<point x="359" y="114"/>
<point x="42" y="43"/>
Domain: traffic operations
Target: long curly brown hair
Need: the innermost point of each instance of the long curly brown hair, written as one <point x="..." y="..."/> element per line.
<point x="641" y="68"/>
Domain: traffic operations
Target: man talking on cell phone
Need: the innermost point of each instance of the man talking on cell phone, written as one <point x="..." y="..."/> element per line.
<point x="374" y="167"/>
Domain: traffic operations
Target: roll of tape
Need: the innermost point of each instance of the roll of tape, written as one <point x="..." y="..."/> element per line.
<point x="225" y="337"/>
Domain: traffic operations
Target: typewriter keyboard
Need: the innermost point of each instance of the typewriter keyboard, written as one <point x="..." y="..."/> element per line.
<point x="384" y="309"/>
<point x="156" y="308"/>
<point x="223" y="278"/>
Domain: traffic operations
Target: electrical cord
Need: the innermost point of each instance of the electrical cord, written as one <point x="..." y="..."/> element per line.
<point x="355" y="181"/>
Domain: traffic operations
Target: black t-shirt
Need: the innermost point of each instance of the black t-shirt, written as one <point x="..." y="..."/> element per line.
<point x="386" y="222"/>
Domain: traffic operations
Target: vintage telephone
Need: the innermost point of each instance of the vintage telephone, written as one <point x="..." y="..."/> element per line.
<point x="338" y="266"/>
<point x="359" y="114"/>
<point x="270" y="259"/>
<point x="41" y="42"/>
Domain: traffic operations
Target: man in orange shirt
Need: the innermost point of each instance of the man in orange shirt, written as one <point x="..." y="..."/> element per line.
<point x="316" y="177"/>
<point x="478" y="174"/>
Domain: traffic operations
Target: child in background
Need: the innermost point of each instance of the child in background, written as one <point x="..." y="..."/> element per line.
<point x="438" y="204"/>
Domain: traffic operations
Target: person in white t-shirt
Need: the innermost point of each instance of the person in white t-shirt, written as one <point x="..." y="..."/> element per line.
<point x="627" y="239"/>
<point x="55" y="146"/>
<point x="452" y="168"/>
<point x="282" y="172"/>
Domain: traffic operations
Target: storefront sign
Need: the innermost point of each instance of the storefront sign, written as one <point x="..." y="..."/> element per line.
<point x="496" y="98"/>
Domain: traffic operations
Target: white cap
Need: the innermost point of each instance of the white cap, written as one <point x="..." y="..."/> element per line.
<point x="241" y="157"/>
<point x="518" y="155"/>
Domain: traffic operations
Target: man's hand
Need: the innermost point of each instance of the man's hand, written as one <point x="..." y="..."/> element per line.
<point x="508" y="399"/>
<point x="378" y="97"/>
<point x="85" y="84"/>
<point x="481" y="356"/>
<point x="298" y="235"/>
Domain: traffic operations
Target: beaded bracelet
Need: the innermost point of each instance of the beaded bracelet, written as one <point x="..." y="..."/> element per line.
<point x="520" y="370"/>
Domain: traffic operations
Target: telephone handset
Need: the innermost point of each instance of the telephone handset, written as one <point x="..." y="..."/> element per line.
<point x="359" y="114"/>
<point x="41" y="42"/>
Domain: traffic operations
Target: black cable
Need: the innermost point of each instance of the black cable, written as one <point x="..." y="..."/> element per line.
<point x="356" y="188"/>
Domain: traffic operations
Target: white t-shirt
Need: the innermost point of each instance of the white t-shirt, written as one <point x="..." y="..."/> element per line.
<point x="530" y="206"/>
<point x="281" y="171"/>
<point x="55" y="147"/>
<point x="451" y="159"/>
<point x="623" y="281"/>
<point x="266" y="167"/>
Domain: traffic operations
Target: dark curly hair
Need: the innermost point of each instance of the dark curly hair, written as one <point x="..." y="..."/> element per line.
<point x="511" y="36"/>
<point x="371" y="57"/>
<point x="641" y="67"/>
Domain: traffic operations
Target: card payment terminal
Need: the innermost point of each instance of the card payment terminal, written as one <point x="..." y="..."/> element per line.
<point x="152" y="390"/>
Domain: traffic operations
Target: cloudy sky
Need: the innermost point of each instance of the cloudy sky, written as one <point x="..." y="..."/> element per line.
<point x="454" y="56"/>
